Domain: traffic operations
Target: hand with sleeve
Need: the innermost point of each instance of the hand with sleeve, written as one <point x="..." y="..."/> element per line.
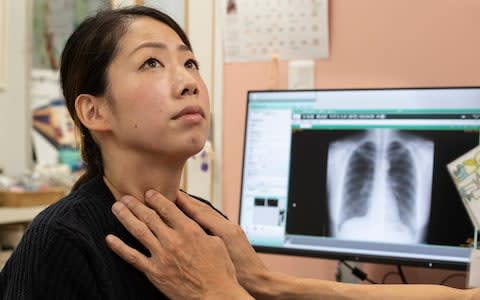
<point x="252" y="273"/>
<point x="184" y="261"/>
<point x="265" y="284"/>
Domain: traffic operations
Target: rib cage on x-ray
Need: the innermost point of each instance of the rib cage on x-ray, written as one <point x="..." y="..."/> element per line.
<point x="402" y="180"/>
<point x="374" y="184"/>
<point x="359" y="181"/>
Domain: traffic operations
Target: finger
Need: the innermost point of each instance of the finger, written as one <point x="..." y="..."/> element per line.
<point x="136" y="227"/>
<point x="147" y="215"/>
<point x="202" y="213"/>
<point x="168" y="211"/>
<point x="127" y="253"/>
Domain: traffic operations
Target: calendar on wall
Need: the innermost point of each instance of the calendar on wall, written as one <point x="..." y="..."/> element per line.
<point x="256" y="30"/>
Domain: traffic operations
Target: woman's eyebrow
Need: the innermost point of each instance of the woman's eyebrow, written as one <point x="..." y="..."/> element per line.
<point x="158" y="45"/>
<point x="148" y="45"/>
<point x="183" y="47"/>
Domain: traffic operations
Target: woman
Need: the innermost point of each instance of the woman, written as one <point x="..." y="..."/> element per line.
<point x="132" y="86"/>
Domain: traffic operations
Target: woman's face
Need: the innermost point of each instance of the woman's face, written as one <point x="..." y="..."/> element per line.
<point x="159" y="103"/>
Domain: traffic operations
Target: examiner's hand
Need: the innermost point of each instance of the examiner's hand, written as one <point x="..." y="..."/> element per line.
<point x="251" y="272"/>
<point x="185" y="262"/>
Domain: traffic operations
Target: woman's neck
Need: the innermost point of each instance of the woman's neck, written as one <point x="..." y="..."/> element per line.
<point x="134" y="176"/>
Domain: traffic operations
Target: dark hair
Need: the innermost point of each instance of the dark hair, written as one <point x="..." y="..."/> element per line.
<point x="85" y="60"/>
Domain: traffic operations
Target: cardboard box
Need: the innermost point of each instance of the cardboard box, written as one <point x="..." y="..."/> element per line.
<point x="22" y="199"/>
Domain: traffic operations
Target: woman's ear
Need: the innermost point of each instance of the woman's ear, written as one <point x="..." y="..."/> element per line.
<point x="92" y="112"/>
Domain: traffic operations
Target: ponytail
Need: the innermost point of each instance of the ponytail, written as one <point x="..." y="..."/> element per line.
<point x="91" y="156"/>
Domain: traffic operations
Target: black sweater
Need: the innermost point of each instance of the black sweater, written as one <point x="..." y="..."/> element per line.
<point x="63" y="253"/>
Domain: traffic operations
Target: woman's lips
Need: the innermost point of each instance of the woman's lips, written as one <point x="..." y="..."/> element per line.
<point x="190" y="112"/>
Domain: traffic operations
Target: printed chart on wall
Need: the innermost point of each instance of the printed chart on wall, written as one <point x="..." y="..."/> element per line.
<point x="257" y="30"/>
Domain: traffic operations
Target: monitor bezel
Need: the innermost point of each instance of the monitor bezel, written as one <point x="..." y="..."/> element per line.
<point x="377" y="259"/>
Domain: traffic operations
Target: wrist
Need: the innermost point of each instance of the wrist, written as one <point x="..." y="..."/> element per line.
<point x="269" y="285"/>
<point x="233" y="292"/>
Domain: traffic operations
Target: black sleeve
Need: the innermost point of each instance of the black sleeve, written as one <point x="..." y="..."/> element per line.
<point x="206" y="202"/>
<point x="48" y="264"/>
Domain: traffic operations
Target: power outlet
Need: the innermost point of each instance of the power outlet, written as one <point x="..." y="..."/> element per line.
<point x="301" y="74"/>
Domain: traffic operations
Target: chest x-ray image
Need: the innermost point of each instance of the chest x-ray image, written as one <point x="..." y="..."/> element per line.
<point x="379" y="186"/>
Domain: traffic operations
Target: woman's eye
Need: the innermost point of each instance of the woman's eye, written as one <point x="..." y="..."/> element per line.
<point x="191" y="64"/>
<point x="151" y="63"/>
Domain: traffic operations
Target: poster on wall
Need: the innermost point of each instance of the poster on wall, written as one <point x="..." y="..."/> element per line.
<point x="258" y="30"/>
<point x="52" y="128"/>
<point x="53" y="22"/>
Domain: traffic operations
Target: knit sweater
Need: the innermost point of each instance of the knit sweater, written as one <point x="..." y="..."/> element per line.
<point x="63" y="253"/>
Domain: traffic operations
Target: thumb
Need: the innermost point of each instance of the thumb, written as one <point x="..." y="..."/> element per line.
<point x="202" y="213"/>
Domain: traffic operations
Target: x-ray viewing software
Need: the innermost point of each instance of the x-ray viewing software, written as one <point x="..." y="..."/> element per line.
<point x="358" y="174"/>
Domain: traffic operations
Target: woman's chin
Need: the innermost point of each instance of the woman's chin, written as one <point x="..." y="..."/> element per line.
<point x="197" y="146"/>
<point x="194" y="146"/>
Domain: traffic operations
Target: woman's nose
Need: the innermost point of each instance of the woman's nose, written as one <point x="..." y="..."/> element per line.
<point x="189" y="90"/>
<point x="185" y="84"/>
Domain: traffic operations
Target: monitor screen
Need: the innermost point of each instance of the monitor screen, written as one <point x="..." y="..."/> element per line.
<point x="359" y="174"/>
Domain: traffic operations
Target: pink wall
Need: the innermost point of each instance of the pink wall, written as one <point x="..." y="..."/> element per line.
<point x="373" y="43"/>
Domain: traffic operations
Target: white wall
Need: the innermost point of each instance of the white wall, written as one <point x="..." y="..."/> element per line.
<point x="205" y="34"/>
<point x="15" y="122"/>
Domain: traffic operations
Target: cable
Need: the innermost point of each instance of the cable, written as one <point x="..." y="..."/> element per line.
<point x="384" y="279"/>
<point x="338" y="273"/>
<point x="452" y="276"/>
<point x="400" y="272"/>
<point x="358" y="273"/>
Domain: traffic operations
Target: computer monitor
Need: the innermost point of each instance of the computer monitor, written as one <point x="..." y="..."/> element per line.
<point x="359" y="174"/>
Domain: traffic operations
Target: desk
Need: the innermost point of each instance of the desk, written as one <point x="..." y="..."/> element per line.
<point x="19" y="215"/>
<point x="13" y="222"/>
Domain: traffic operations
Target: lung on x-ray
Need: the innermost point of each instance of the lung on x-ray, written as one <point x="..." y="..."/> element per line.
<point x="379" y="186"/>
